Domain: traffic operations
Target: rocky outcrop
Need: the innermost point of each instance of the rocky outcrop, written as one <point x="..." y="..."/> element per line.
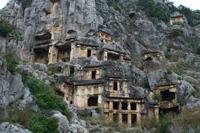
<point x="129" y="25"/>
<point x="62" y="122"/>
<point x="12" y="90"/>
<point x="11" y="128"/>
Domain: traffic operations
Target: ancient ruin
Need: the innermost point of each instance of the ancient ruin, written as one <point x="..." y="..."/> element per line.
<point x="177" y="18"/>
<point x="96" y="73"/>
<point x="168" y="93"/>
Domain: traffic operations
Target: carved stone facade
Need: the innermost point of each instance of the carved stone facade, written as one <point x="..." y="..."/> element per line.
<point x="177" y="18"/>
<point x="94" y="68"/>
<point x="163" y="90"/>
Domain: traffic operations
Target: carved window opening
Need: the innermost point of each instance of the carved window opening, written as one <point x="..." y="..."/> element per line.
<point x="131" y="14"/>
<point x="167" y="95"/>
<point x="115" y="86"/>
<point x="113" y="57"/>
<point x="149" y="59"/>
<point x="116" y="105"/>
<point x="71" y="70"/>
<point x="125" y="118"/>
<point x="115" y="117"/>
<point x="89" y="53"/>
<point x="133" y="106"/>
<point x="93" y="101"/>
<point x="41" y="56"/>
<point x="124" y="106"/>
<point x="93" y="74"/>
<point x="133" y="118"/>
<point x="64" y="53"/>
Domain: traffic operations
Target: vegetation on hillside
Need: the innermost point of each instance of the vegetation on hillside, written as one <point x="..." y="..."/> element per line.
<point x="45" y="95"/>
<point x="8" y="30"/>
<point x="46" y="99"/>
<point x="183" y="123"/>
<point x="155" y="10"/>
<point x="34" y="121"/>
<point x="163" y="11"/>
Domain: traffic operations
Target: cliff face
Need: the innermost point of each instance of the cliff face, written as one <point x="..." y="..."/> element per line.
<point x="42" y="16"/>
<point x="130" y="25"/>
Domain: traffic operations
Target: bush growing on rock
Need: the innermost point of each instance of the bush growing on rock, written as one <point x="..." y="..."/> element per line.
<point x="155" y="10"/>
<point x="12" y="61"/>
<point x="42" y="124"/>
<point x="34" y="121"/>
<point x="8" y="30"/>
<point x="45" y="95"/>
<point x="5" y="28"/>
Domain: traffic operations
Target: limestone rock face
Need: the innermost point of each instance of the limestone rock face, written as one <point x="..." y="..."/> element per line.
<point x="185" y="89"/>
<point x="43" y="16"/>
<point x="129" y="26"/>
<point x="12" y="89"/>
<point x="11" y="128"/>
<point x="63" y="122"/>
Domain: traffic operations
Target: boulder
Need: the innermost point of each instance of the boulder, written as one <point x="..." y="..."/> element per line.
<point x="62" y="121"/>
<point x="11" y="128"/>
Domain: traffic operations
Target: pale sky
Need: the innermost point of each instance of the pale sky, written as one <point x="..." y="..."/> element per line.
<point x="3" y="3"/>
<point x="193" y="4"/>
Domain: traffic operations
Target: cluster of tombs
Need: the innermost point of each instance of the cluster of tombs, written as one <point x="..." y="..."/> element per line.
<point x="177" y="18"/>
<point x="96" y="74"/>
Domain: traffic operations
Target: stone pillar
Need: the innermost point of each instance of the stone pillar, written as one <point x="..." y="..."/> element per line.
<point x="139" y="117"/>
<point x="110" y="105"/>
<point x="100" y="101"/>
<point x="118" y="85"/>
<point x="105" y="56"/>
<point x="53" y="55"/>
<point x="120" y="118"/>
<point x="138" y="107"/>
<point x="157" y="113"/>
<point x="129" y="120"/>
<point x="110" y="111"/>
<point x="129" y="106"/>
<point x="75" y="50"/>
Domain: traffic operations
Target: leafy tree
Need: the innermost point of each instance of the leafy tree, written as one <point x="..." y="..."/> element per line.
<point x="5" y="28"/>
<point x="155" y="10"/>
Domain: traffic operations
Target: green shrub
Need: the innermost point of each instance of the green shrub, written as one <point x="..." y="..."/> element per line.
<point x="45" y="95"/>
<point x="42" y="124"/>
<point x="8" y="30"/>
<point x="177" y="70"/>
<point x="164" y="123"/>
<point x="5" y="28"/>
<point x="157" y="96"/>
<point x="34" y="121"/>
<point x="190" y="15"/>
<point x="196" y="92"/>
<point x="12" y="61"/>
<point x="155" y="10"/>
